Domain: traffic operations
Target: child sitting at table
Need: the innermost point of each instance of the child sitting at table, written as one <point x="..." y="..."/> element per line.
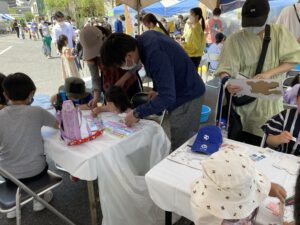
<point x="116" y="101"/>
<point x="3" y="101"/>
<point x="21" y="144"/>
<point x="283" y="130"/>
<point x="75" y="90"/>
<point x="231" y="191"/>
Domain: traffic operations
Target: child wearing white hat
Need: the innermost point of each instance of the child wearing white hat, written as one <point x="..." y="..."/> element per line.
<point x="231" y="190"/>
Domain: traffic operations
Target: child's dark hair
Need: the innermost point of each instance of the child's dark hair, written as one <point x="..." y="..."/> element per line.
<point x="219" y="38"/>
<point x="150" y="18"/>
<point x="217" y="12"/>
<point x="104" y="31"/>
<point x="2" y="98"/>
<point x="61" y="42"/>
<point x="198" y="12"/>
<point x="296" y="80"/>
<point x="18" y="86"/>
<point x="118" y="96"/>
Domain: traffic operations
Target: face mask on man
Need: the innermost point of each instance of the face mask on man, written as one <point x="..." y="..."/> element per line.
<point x="61" y="23"/>
<point x="133" y="66"/>
<point x="192" y="19"/>
<point x="255" y="30"/>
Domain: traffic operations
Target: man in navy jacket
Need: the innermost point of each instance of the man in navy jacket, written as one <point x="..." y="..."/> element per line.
<point x="178" y="87"/>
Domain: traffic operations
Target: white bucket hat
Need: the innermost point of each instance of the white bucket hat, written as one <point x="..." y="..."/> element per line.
<point x="231" y="187"/>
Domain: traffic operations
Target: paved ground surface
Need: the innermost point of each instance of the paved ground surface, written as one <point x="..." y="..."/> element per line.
<point x="70" y="198"/>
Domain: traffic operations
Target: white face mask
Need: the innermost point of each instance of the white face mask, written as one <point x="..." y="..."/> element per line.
<point x="255" y="30"/>
<point x="192" y="19"/>
<point x="61" y="23"/>
<point x="133" y="66"/>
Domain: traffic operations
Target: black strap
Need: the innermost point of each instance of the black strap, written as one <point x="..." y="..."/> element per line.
<point x="264" y="50"/>
<point x="296" y="13"/>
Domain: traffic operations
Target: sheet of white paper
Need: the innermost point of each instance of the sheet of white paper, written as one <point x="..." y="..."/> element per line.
<point x="266" y="89"/>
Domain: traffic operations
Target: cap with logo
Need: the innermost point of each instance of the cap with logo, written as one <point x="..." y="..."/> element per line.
<point x="208" y="140"/>
<point x="255" y="13"/>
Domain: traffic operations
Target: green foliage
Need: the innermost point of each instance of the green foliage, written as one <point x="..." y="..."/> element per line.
<point x="28" y="16"/>
<point x="89" y="8"/>
<point x="52" y="5"/>
<point x="12" y="11"/>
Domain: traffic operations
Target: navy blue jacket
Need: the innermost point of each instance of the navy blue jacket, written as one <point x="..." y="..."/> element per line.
<point x="172" y="71"/>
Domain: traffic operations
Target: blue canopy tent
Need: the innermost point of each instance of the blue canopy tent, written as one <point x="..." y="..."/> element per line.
<point x="6" y="17"/>
<point x="162" y="10"/>
<point x="229" y="5"/>
<point x="182" y="6"/>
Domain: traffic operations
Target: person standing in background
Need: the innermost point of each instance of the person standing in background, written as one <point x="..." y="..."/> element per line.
<point x="213" y="26"/>
<point x="16" y="28"/>
<point x="152" y="23"/>
<point x="119" y="25"/>
<point x="40" y="27"/>
<point x="290" y="18"/>
<point x="193" y="35"/>
<point x="179" y="25"/>
<point x="62" y="28"/>
<point x="46" y="38"/>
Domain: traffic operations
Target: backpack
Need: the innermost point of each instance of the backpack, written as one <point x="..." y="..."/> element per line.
<point x="70" y="119"/>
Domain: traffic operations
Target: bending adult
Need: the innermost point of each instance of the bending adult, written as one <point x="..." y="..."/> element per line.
<point x="178" y="87"/>
<point x="240" y="55"/>
<point x="152" y="23"/>
<point x="91" y="39"/>
<point x="193" y="35"/>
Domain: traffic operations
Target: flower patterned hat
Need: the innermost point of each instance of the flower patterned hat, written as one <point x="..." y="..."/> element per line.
<point x="231" y="187"/>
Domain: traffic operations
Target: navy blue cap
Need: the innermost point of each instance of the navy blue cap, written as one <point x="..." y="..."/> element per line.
<point x="208" y="140"/>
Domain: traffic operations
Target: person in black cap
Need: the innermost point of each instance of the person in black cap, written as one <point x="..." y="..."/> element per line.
<point x="240" y="56"/>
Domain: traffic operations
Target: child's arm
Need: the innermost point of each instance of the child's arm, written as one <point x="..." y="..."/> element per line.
<point x="283" y="138"/>
<point x="84" y="107"/>
<point x="53" y="99"/>
<point x="99" y="110"/>
<point x="68" y="54"/>
<point x="48" y="119"/>
<point x="121" y="82"/>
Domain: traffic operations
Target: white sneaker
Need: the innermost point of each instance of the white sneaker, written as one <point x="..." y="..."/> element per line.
<point x="11" y="215"/>
<point x="37" y="206"/>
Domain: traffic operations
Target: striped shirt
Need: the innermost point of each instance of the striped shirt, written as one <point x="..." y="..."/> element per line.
<point x="287" y="120"/>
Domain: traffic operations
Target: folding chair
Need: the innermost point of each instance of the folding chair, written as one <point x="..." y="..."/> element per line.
<point x="12" y="197"/>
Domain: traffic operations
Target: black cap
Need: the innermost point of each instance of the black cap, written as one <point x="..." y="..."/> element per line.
<point x="255" y="13"/>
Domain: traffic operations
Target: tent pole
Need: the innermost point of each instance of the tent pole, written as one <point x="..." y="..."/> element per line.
<point x="218" y="4"/>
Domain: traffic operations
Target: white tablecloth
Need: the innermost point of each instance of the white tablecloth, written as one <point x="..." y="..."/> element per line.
<point x="120" y="166"/>
<point x="169" y="182"/>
